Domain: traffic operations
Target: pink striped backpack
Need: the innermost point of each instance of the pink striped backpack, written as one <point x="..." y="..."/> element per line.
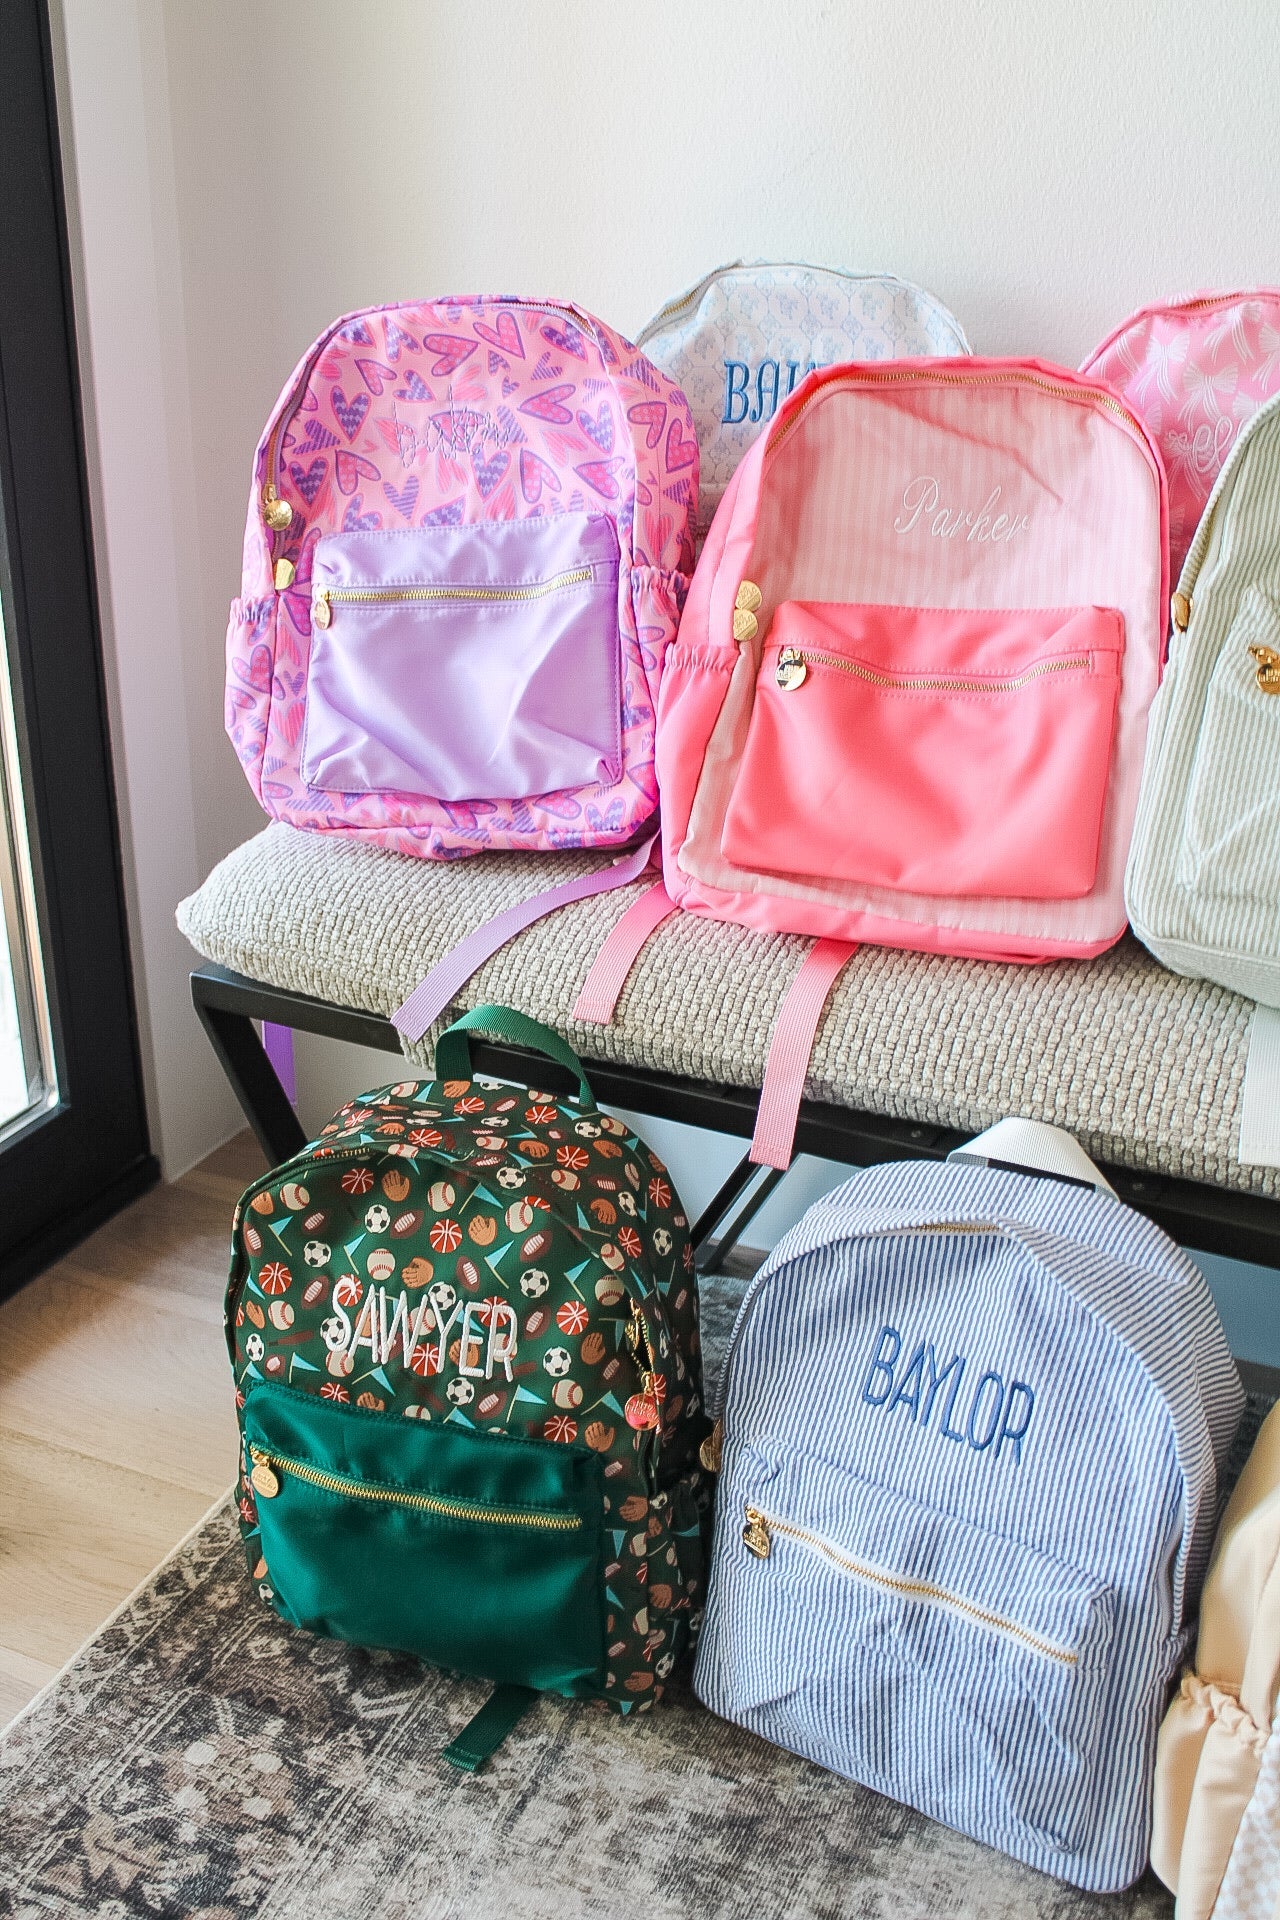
<point x="469" y="536"/>
<point x="1194" y="370"/>
<point x="908" y="699"/>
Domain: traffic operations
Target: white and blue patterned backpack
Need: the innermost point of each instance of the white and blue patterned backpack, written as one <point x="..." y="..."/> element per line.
<point x="746" y="335"/>
<point x="971" y="1429"/>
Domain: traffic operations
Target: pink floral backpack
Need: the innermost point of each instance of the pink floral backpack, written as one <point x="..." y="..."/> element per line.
<point x="468" y="543"/>
<point x="1194" y="371"/>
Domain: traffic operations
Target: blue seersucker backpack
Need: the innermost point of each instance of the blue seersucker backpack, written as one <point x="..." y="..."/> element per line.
<point x="970" y="1434"/>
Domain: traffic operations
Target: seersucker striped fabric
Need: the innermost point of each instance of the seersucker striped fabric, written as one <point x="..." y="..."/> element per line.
<point x="972" y="1428"/>
<point x="1203" y="882"/>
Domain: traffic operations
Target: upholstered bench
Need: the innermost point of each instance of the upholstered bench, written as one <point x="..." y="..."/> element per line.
<point x="914" y="1053"/>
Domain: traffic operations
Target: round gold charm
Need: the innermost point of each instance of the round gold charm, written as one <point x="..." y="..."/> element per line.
<point x="792" y="671"/>
<point x="745" y="624"/>
<point x="1268" y="664"/>
<point x="276" y="512"/>
<point x="749" y="596"/>
<point x="265" y="1483"/>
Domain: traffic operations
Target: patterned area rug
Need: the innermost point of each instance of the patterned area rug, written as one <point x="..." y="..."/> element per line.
<point x="199" y="1759"/>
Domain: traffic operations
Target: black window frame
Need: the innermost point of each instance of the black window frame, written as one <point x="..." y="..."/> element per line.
<point x="79" y="1161"/>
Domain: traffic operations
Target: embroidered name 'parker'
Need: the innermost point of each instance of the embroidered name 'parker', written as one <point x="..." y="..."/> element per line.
<point x="985" y="1417"/>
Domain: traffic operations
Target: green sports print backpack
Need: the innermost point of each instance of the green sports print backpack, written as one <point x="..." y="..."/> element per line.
<point x="463" y="1329"/>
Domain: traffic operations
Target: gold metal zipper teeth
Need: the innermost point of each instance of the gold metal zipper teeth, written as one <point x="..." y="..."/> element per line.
<point x="760" y="1525"/>
<point x="275" y="1463"/>
<point x="325" y="597"/>
<point x="794" y="656"/>
<point x="904" y="376"/>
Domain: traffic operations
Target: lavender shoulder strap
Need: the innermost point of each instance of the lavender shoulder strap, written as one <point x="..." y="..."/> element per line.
<point x="433" y="994"/>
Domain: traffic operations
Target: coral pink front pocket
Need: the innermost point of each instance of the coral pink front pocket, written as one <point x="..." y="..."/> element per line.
<point x="933" y="751"/>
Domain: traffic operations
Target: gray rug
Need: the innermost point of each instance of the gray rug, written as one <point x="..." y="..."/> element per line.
<point x="199" y="1759"/>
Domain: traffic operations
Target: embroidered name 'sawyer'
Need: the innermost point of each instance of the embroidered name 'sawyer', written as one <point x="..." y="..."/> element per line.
<point x="922" y="505"/>
<point x="986" y="1416"/>
<point x="739" y="405"/>
<point x="487" y="1327"/>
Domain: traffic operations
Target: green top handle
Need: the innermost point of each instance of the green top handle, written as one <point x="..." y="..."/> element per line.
<point x="453" y="1049"/>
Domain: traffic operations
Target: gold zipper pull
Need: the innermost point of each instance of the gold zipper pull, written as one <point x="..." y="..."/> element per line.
<point x="712" y="1447"/>
<point x="1180" y="612"/>
<point x="745" y="624"/>
<point x="755" y="1535"/>
<point x="276" y="512"/>
<point x="285" y="573"/>
<point x="321" y="611"/>
<point x="264" y="1480"/>
<point x="792" y="670"/>
<point x="1268" y="668"/>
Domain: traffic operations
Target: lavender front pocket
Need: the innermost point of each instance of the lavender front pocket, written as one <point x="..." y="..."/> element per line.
<point x="466" y="663"/>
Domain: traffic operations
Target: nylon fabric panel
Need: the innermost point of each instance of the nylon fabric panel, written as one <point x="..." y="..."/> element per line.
<point x="863" y="496"/>
<point x="514" y="1601"/>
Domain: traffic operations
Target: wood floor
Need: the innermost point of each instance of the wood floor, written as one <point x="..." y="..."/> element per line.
<point x="117" y="1429"/>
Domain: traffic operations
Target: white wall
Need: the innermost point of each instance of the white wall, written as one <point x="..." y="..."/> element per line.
<point x="246" y="172"/>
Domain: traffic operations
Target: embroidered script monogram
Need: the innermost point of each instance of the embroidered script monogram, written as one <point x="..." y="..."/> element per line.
<point x="922" y="505"/>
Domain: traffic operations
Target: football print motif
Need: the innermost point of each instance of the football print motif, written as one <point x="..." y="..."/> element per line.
<point x="500" y="1266"/>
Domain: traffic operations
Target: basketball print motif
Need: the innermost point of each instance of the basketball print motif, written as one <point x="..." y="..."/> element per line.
<point x="558" y="1317"/>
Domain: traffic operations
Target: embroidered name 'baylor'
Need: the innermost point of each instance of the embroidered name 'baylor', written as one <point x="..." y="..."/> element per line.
<point x="463" y="1327"/>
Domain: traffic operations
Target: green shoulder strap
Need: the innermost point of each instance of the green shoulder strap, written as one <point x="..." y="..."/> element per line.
<point x="453" y="1053"/>
<point x="485" y="1732"/>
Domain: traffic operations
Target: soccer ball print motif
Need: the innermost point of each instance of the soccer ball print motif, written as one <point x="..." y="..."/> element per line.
<point x="563" y="1317"/>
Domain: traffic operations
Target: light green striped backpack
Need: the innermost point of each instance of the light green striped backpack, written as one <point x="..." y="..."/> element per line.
<point x="1203" y="881"/>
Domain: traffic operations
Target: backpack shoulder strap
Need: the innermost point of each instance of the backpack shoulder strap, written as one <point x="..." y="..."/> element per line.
<point x="433" y="994"/>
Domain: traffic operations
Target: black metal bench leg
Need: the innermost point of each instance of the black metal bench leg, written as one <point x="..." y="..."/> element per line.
<point x="713" y="1240"/>
<point x="234" y="1039"/>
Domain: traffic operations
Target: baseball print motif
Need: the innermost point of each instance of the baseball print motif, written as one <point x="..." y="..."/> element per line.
<point x="462" y="413"/>
<point x="400" y="1266"/>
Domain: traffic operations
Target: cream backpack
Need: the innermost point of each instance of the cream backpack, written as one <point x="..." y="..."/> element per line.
<point x="1216" y="1835"/>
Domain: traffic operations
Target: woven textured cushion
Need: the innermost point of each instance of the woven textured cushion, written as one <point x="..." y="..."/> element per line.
<point x="1144" y="1067"/>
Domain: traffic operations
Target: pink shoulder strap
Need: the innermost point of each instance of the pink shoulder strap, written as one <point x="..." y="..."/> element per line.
<point x="433" y="994"/>
<point x="609" y="969"/>
<point x="790" y="1046"/>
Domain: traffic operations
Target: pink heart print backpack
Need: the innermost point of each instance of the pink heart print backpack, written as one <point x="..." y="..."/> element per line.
<point x="1194" y="370"/>
<point x="908" y="699"/>
<point x="468" y="543"/>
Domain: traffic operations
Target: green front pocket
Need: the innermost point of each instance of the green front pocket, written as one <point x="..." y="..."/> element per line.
<point x="477" y="1552"/>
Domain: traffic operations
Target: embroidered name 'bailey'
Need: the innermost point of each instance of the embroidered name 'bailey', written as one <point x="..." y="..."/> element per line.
<point x="987" y="1412"/>
<point x="922" y="502"/>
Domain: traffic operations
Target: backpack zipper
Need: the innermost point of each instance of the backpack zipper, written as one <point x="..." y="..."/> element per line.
<point x="267" y="1468"/>
<point x="1019" y="377"/>
<point x="326" y="598"/>
<point x="793" y="670"/>
<point x="757" y="1538"/>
